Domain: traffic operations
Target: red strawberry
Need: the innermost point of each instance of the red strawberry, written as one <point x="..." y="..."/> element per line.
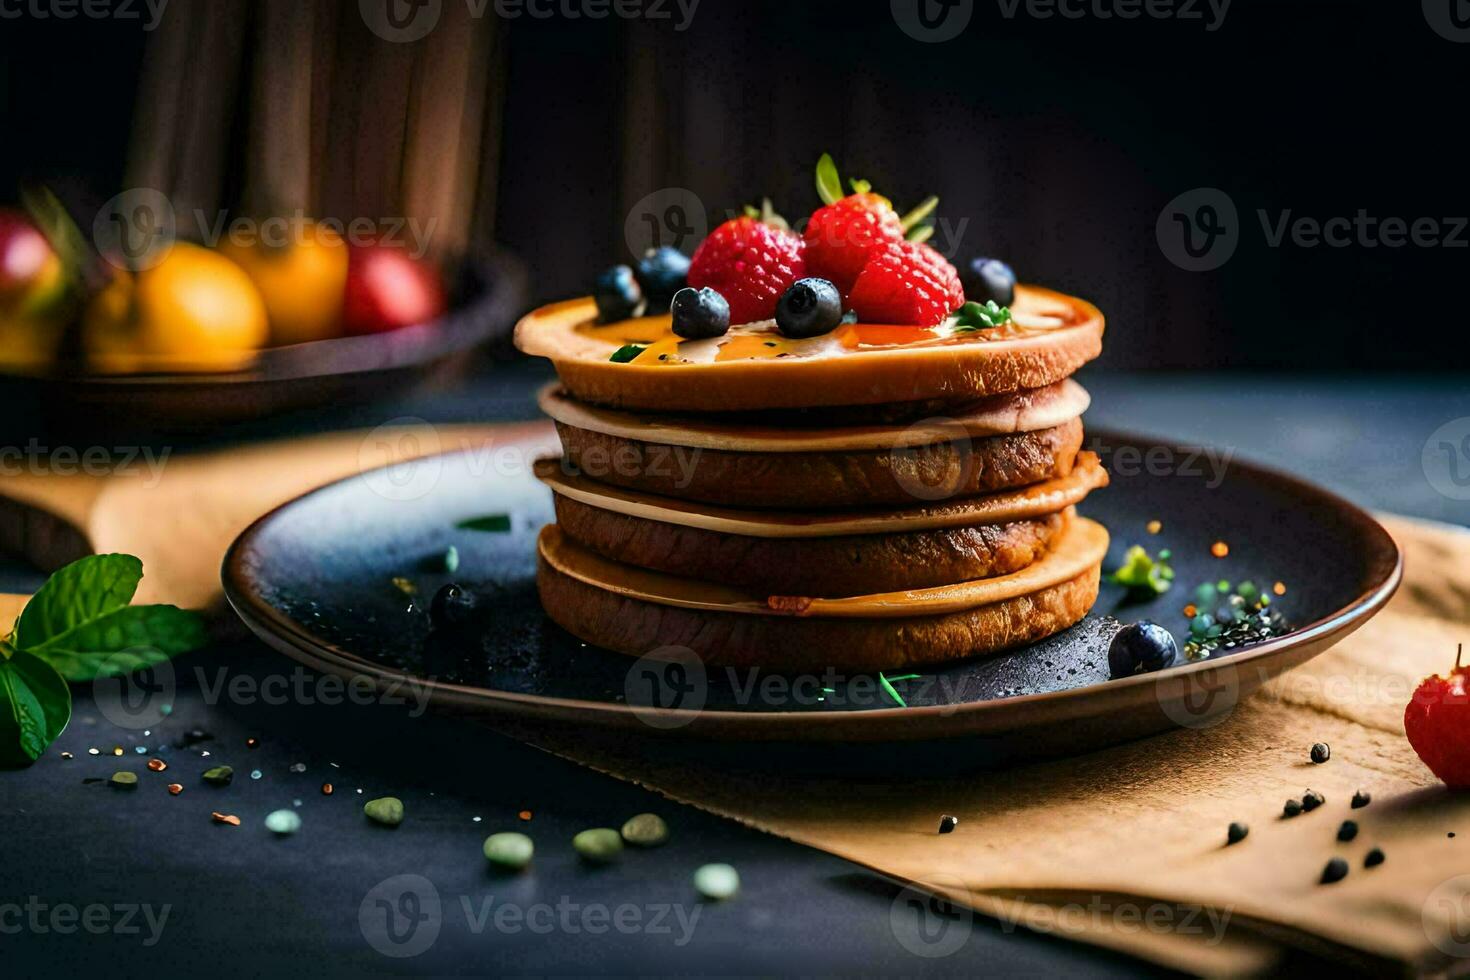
<point x="841" y="236"/>
<point x="750" y="264"/>
<point x="1437" y="721"/>
<point x="909" y="283"/>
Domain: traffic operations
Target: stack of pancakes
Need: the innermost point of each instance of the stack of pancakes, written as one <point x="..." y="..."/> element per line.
<point x="831" y="505"/>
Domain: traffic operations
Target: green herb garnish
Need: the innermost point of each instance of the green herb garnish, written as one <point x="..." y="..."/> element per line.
<point x="981" y="316"/>
<point x="626" y="353"/>
<point x="80" y="626"/>
<point x="1143" y="575"/>
<point x="891" y="691"/>
<point x="829" y="184"/>
<point x="493" y="523"/>
<point x="1226" y="620"/>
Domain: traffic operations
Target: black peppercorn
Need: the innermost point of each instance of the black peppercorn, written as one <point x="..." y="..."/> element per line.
<point x="1292" y="808"/>
<point x="1312" y="800"/>
<point x="1321" y="752"/>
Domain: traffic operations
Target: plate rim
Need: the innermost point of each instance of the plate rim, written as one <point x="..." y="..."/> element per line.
<point x="292" y="638"/>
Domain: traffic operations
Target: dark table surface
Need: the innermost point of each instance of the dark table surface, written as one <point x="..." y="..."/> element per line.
<point x="97" y="879"/>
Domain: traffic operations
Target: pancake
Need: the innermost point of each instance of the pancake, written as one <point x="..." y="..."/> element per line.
<point x="637" y="612"/>
<point x="826" y="566"/>
<point x="753" y="368"/>
<point x="815" y="480"/>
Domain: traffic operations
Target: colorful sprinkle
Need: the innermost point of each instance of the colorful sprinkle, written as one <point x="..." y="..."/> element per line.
<point x="298" y="767"/>
<point x="251" y="743"/>
<point x="326" y="789"/>
<point x="228" y="818"/>
<point x="1279" y="588"/>
<point x="124" y="780"/>
<point x="255" y="774"/>
<point x="283" y="822"/>
<point x="93" y="752"/>
<point x="524" y="814"/>
<point x="175" y="789"/>
<point x="66" y="755"/>
<point x="157" y="765"/>
<point x="1154" y="527"/>
<point x="1219" y="549"/>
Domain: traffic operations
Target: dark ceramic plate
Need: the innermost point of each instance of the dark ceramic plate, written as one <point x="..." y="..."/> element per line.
<point x="315" y="579"/>
<point x="486" y="297"/>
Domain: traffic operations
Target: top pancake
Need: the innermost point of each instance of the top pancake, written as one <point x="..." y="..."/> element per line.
<point x="754" y="368"/>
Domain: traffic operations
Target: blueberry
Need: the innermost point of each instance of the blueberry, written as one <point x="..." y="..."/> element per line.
<point x="809" y="308"/>
<point x="986" y="279"/>
<point x="700" y="313"/>
<point x="451" y="606"/>
<point x="617" y="294"/>
<point x="662" y="272"/>
<point x="1141" y="646"/>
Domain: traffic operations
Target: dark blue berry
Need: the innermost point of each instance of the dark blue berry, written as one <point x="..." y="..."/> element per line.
<point x="662" y="272"/>
<point x="809" y="308"/>
<point x="617" y="294"/>
<point x="700" y="313"/>
<point x="1141" y="646"/>
<point x="451" y="607"/>
<point x="987" y="279"/>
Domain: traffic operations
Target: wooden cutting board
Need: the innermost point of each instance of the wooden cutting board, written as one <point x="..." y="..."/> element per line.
<point x="181" y="515"/>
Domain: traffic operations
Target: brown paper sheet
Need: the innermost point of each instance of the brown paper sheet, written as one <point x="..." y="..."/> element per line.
<point x="1125" y="847"/>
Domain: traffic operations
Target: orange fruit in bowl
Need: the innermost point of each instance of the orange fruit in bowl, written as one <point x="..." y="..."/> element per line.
<point x="301" y="278"/>
<point x="195" y="310"/>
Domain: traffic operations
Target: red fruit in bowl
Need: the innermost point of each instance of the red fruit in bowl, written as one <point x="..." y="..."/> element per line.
<point x="841" y="236"/>
<point x="750" y="264"/>
<point x="906" y="283"/>
<point x="387" y="288"/>
<point x="1437" y="721"/>
<point x="31" y="275"/>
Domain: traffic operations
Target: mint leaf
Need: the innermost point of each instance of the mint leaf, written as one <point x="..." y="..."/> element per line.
<point x="78" y="593"/>
<point x="625" y="353"/>
<point x="35" y="706"/>
<point x="495" y="523"/>
<point x="829" y="184"/>
<point x="122" y="641"/>
<point x="980" y="316"/>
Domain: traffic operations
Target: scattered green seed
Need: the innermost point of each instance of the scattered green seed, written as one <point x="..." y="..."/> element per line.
<point x="387" y="811"/>
<point x="219" y="775"/>
<point x="509" y="851"/>
<point x="124" y="780"/>
<point x="601" y="845"/>
<point x="717" y="882"/>
<point x="646" y="830"/>
<point x="283" y="822"/>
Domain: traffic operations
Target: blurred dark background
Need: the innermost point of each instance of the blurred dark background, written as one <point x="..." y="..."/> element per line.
<point x="1056" y="142"/>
